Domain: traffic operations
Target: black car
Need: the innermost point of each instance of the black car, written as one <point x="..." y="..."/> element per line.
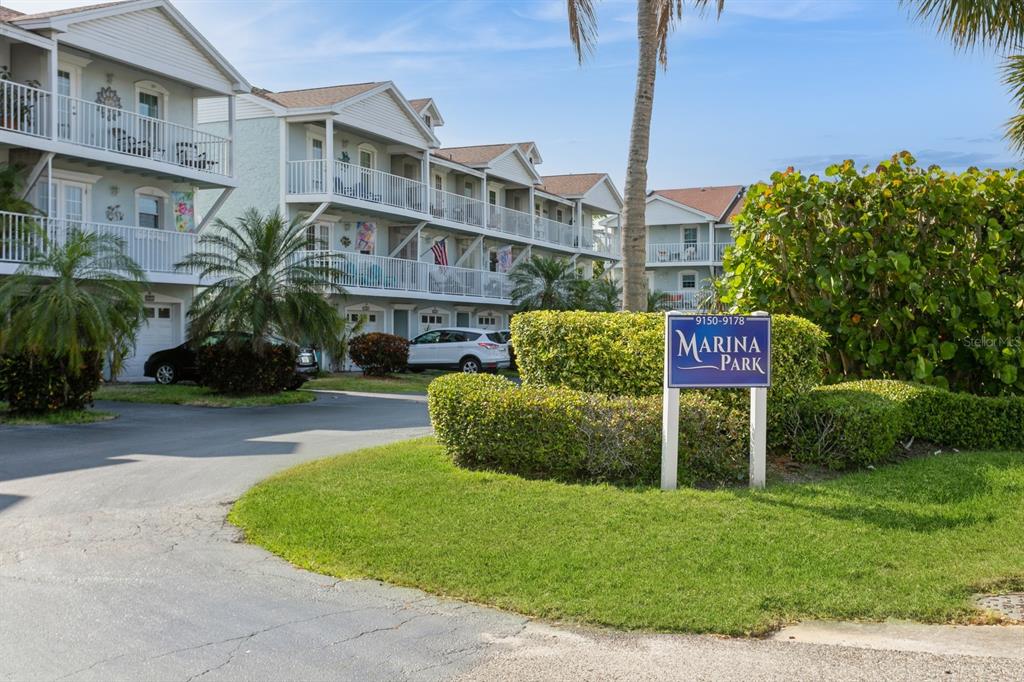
<point x="176" y="364"/>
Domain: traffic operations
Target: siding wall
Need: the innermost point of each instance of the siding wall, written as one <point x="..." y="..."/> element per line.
<point x="511" y="168"/>
<point x="381" y="112"/>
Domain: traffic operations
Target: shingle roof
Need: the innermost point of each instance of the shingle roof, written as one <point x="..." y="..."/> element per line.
<point x="419" y="104"/>
<point x="716" y="201"/>
<point x="315" y="97"/>
<point x="57" y="12"/>
<point x="474" y="155"/>
<point x="8" y="14"/>
<point x="571" y="185"/>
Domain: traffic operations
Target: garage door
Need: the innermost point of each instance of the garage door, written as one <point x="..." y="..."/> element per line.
<point x="157" y="333"/>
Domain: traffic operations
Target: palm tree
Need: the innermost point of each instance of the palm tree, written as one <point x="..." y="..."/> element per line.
<point x="12" y="183"/>
<point x="265" y="281"/>
<point x="543" y="283"/>
<point x="72" y="299"/>
<point x="655" y="20"/>
<point x="995" y="24"/>
<point x="606" y="295"/>
<point x="657" y="301"/>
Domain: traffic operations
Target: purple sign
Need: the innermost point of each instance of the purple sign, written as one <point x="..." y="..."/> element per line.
<point x="718" y="351"/>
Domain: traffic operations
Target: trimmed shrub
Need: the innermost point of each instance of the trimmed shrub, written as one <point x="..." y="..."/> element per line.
<point x="488" y="422"/>
<point x="237" y="368"/>
<point x="378" y="354"/>
<point x="845" y="428"/>
<point x="34" y="383"/>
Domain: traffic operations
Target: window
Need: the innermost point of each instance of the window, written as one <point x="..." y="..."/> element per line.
<point x="468" y="189"/>
<point x="438" y="183"/>
<point x="689" y="235"/>
<point x="163" y="313"/>
<point x="149" y="210"/>
<point x="318" y="237"/>
<point x="316" y="148"/>
<point x="150" y="99"/>
<point x="559" y="215"/>
<point x="427" y="120"/>
<point x="486" y="321"/>
<point x="365" y="317"/>
<point x="492" y="197"/>
<point x="429" y="337"/>
<point x="492" y="260"/>
<point x="149" y="104"/>
<point x="150" y="313"/>
<point x="687" y="280"/>
<point x="367" y="156"/>
<point x="516" y="202"/>
<point x="431" y="319"/>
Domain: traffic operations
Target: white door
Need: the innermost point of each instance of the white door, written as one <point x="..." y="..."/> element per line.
<point x="156" y="333"/>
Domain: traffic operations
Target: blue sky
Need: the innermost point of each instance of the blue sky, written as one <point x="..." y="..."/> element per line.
<point x="772" y="83"/>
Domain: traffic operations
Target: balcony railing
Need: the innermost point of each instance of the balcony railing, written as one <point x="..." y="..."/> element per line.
<point x="396" y="274"/>
<point x="548" y="230"/>
<point x="686" y="252"/>
<point x="154" y="250"/>
<point x="379" y="187"/>
<point x="509" y="221"/>
<point x="307" y="177"/>
<point x="24" y="109"/>
<point x="457" y="208"/>
<point x="118" y="130"/>
<point x="682" y="300"/>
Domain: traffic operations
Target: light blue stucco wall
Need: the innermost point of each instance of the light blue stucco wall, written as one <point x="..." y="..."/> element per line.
<point x="257" y="157"/>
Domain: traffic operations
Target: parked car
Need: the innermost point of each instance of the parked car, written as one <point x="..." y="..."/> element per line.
<point x="506" y="338"/>
<point x="171" y="365"/>
<point x="465" y="349"/>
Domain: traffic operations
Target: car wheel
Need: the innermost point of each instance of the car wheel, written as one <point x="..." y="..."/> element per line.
<point x="469" y="365"/>
<point x="166" y="374"/>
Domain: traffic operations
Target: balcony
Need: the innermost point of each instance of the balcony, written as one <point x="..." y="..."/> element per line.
<point x="686" y="301"/>
<point x="308" y="179"/>
<point x="156" y="251"/>
<point x="686" y="252"/>
<point x="25" y="109"/>
<point x="362" y="271"/>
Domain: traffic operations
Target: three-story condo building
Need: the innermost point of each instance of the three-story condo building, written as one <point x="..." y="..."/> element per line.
<point x="425" y="235"/>
<point x="97" y="107"/>
<point x="688" y="231"/>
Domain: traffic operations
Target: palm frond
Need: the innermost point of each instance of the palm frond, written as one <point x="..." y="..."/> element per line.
<point x="582" y="27"/>
<point x="1013" y="77"/>
<point x="997" y="24"/>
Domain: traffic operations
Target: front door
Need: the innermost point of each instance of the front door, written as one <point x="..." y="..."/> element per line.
<point x="67" y="205"/>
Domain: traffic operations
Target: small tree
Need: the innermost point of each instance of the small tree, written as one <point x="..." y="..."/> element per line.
<point x="657" y="301"/>
<point x="543" y="283"/>
<point x="64" y="309"/>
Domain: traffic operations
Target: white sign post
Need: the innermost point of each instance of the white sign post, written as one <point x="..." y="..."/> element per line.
<point x="721" y="351"/>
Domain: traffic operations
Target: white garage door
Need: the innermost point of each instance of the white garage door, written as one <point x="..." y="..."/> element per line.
<point x="157" y="333"/>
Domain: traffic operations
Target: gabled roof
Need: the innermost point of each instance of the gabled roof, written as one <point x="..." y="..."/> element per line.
<point x="62" y="20"/>
<point x="424" y="105"/>
<point x="719" y="202"/>
<point x="420" y="103"/>
<point x="571" y="185"/>
<point x="474" y="155"/>
<point x="529" y="149"/>
<point x="315" y="97"/>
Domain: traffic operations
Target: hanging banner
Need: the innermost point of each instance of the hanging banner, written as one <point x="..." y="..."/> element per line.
<point x="184" y="211"/>
<point x="505" y="258"/>
<point x="366" y="237"/>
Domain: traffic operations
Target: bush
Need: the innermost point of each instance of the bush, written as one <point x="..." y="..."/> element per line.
<point x="623" y="354"/>
<point x="915" y="273"/>
<point x="379" y="354"/>
<point x="845" y="428"/>
<point x="33" y="383"/>
<point x="236" y="368"/>
<point x="487" y="422"/>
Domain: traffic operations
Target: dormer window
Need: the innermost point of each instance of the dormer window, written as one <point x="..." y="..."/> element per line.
<point x="428" y="120"/>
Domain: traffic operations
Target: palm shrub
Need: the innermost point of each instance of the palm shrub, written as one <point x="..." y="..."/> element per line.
<point x="264" y="282"/>
<point x="544" y="283"/>
<point x="65" y="309"/>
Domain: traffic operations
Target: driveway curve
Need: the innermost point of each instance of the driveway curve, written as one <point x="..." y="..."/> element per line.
<point x="116" y="563"/>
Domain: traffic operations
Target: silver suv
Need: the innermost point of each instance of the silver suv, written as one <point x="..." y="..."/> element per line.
<point x="462" y="348"/>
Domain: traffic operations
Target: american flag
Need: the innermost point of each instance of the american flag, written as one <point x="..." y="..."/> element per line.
<point x="440" y="252"/>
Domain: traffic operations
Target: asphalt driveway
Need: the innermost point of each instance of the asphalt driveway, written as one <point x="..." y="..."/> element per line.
<point x="116" y="563"/>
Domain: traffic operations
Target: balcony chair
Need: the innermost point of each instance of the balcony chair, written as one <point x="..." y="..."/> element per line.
<point x="188" y="155"/>
<point x="129" y="144"/>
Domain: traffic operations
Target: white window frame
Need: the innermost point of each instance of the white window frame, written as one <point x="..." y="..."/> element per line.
<point x="371" y="150"/>
<point x="153" y="88"/>
<point x="310" y="137"/>
<point x="696" y="280"/>
<point x="165" y="205"/>
<point x="689" y="228"/>
<point x="65" y="177"/>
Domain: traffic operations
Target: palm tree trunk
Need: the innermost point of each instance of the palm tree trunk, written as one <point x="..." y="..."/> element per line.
<point x="634" y="227"/>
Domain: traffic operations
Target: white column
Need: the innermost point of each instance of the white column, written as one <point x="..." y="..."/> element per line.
<point x="485" y="208"/>
<point x="283" y="165"/>
<point x="711" y="240"/>
<point x="533" y="214"/>
<point x="425" y="179"/>
<point x="758" y="431"/>
<point x="669" y="423"/>
<point x="329" y="155"/>
<point x="51" y="67"/>
<point x="577" y="210"/>
<point x="232" y="147"/>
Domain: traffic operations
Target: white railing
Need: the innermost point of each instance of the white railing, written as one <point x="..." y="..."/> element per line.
<point x="22" y="235"/>
<point x="24" y="109"/>
<point x="509" y="221"/>
<point x="682" y="300"/>
<point x="307" y="177"/>
<point x="117" y="130"/>
<point x="378" y="187"/>
<point x="364" y="271"/>
<point x="720" y="250"/>
<point x="548" y="230"/>
<point x="456" y="208"/>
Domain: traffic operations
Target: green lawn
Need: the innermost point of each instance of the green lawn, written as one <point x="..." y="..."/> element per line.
<point x="54" y="418"/>
<point x="198" y="396"/>
<point x="392" y="383"/>
<point x="913" y="540"/>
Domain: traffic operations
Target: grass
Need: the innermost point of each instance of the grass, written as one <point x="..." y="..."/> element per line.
<point x="197" y="396"/>
<point x="909" y="541"/>
<point x="54" y="418"/>
<point x="392" y="383"/>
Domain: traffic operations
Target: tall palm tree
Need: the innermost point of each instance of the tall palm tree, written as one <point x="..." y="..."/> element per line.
<point x="543" y="283"/>
<point x="994" y="24"/>
<point x="655" y="19"/>
<point x="263" y="280"/>
<point x="73" y="298"/>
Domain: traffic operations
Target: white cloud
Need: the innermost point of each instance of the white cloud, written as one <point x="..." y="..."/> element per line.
<point x="791" y="10"/>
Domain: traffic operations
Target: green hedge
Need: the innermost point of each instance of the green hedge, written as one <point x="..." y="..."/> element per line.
<point x="44" y="383"/>
<point x="238" y="369"/>
<point x="488" y="422"/>
<point x="858" y="423"/>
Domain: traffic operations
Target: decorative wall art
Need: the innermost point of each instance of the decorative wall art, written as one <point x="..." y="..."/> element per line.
<point x="183" y="204"/>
